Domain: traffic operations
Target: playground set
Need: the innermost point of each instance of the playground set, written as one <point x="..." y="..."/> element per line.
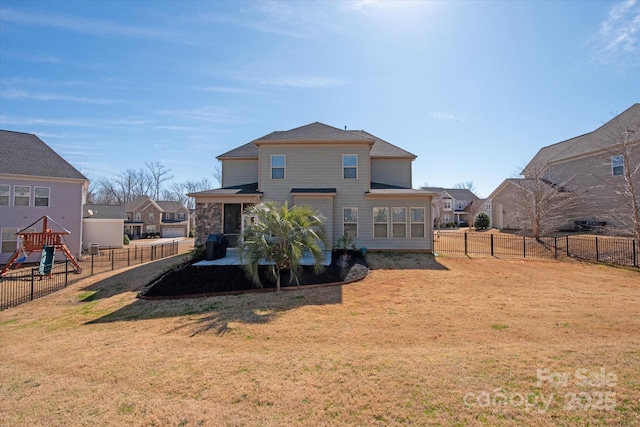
<point x="46" y="241"/>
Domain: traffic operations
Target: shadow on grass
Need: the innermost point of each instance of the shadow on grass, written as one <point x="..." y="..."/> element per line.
<point x="403" y="261"/>
<point x="218" y="313"/>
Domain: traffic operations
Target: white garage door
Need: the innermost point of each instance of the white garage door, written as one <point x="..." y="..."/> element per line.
<point x="172" y="232"/>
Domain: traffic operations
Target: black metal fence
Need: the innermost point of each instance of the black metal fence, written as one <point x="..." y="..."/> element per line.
<point x="610" y="250"/>
<point x="26" y="284"/>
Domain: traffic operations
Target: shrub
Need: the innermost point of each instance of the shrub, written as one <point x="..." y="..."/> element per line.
<point x="125" y="240"/>
<point x="482" y="221"/>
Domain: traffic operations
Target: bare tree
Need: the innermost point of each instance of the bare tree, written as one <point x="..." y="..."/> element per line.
<point x="159" y="174"/>
<point x="217" y="174"/>
<point x="469" y="185"/>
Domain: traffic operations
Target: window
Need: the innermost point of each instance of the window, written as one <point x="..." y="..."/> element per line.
<point x="167" y="216"/>
<point x="152" y="215"/>
<point x="399" y="222"/>
<point x="151" y="229"/>
<point x="417" y="222"/>
<point x="617" y="165"/>
<point x="41" y="196"/>
<point x="181" y="216"/>
<point x="5" y="191"/>
<point x="446" y="204"/>
<point x="460" y="206"/>
<point x="350" y="166"/>
<point x="9" y="240"/>
<point x="487" y="207"/>
<point x="380" y="222"/>
<point x="138" y="216"/>
<point x="278" y="163"/>
<point x="351" y="222"/>
<point x="128" y="216"/>
<point x="21" y="195"/>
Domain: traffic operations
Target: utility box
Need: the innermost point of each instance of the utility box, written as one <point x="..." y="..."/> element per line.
<point x="216" y="247"/>
<point x="94" y="248"/>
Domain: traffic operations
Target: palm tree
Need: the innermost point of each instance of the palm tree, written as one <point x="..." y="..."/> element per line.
<point x="279" y="237"/>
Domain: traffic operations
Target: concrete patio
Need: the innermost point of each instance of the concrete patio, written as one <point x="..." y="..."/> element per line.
<point x="233" y="258"/>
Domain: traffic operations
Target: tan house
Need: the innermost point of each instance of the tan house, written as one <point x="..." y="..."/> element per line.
<point x="359" y="182"/>
<point x="590" y="176"/>
<point x="146" y="217"/>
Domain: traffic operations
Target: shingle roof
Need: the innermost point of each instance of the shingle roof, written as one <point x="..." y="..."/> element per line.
<point x="26" y="154"/>
<point x="387" y="189"/>
<point x="104" y="212"/>
<point x="314" y="190"/>
<point x="607" y="135"/>
<point x="382" y="148"/>
<point x="169" y="206"/>
<point x="319" y="132"/>
<point x="461" y="194"/>
<point x="230" y="191"/>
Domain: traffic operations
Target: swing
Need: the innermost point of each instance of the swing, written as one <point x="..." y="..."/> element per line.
<point x="23" y="256"/>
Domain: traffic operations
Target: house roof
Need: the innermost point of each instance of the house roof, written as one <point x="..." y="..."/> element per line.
<point x="378" y="189"/>
<point x="230" y="191"/>
<point x="461" y="194"/>
<point x="319" y="132"/>
<point x="606" y="136"/>
<point x="313" y="190"/>
<point x="104" y="212"/>
<point x="170" y="206"/>
<point x="26" y="154"/>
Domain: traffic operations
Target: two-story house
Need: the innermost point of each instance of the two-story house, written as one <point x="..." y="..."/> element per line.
<point x="35" y="181"/>
<point x="360" y="183"/>
<point x="146" y="217"/>
<point x="595" y="172"/>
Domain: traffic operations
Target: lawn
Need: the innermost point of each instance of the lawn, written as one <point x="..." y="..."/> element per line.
<point x="421" y="341"/>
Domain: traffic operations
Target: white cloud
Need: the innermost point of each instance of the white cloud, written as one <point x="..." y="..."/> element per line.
<point x="38" y="96"/>
<point x="312" y="82"/>
<point x="619" y="35"/>
<point x="439" y="115"/>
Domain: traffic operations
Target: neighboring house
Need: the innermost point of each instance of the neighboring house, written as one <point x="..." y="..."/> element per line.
<point x="147" y="217"/>
<point x="454" y="206"/>
<point x="588" y="171"/>
<point x="360" y="183"/>
<point x="35" y="181"/>
<point x="103" y="225"/>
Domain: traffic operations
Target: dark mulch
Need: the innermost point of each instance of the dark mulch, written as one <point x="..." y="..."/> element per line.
<point x="205" y="280"/>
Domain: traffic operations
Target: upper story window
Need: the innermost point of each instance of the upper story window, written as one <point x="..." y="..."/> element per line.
<point x="487" y="206"/>
<point x="460" y="206"/>
<point x="350" y="166"/>
<point x="138" y="216"/>
<point x="5" y="194"/>
<point x="128" y="216"/>
<point x="41" y="196"/>
<point x="167" y="216"/>
<point x="617" y="165"/>
<point x="278" y="164"/>
<point x="21" y="195"/>
<point x="152" y="215"/>
<point x="446" y="204"/>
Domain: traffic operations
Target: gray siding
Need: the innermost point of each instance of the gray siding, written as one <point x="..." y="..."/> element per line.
<point x="391" y="171"/>
<point x="239" y="172"/>
<point x="324" y="205"/>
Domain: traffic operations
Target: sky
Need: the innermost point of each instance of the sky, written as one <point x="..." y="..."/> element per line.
<point x="473" y="88"/>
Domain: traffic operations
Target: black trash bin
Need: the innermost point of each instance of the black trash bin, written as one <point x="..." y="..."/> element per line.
<point x="216" y="247"/>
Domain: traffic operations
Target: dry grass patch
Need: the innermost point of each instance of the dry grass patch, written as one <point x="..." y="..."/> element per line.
<point x="425" y="343"/>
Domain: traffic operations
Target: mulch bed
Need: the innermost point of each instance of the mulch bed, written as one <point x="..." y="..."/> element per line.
<point x="196" y="281"/>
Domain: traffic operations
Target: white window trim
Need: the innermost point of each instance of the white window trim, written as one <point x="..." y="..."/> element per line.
<point x="350" y="167"/>
<point x="618" y="163"/>
<point x="16" y="240"/>
<point x="424" y="223"/>
<point x="7" y="195"/>
<point x="167" y="216"/>
<point x="377" y="223"/>
<point x="344" y="222"/>
<point x="406" y="234"/>
<point x="35" y="196"/>
<point x="15" y="195"/>
<point x="284" y="167"/>
<point x="138" y="216"/>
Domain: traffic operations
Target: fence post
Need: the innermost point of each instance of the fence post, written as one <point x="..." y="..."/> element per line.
<point x="92" y="256"/>
<point x="524" y="246"/>
<point x="466" y="249"/>
<point x="33" y="275"/>
<point x="66" y="272"/>
<point x="597" y="252"/>
<point x="112" y="260"/>
<point x="128" y="257"/>
<point x="491" y="237"/>
<point x="635" y="253"/>
<point x="567" y="245"/>
<point x="555" y="247"/>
